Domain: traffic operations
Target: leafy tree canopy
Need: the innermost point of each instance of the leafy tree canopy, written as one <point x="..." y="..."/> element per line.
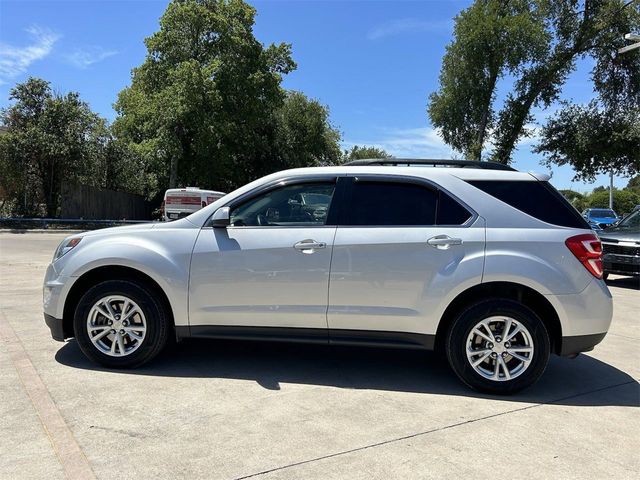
<point x="536" y="43"/>
<point x="202" y="108"/>
<point x="593" y="140"/>
<point x="304" y="136"/>
<point x="364" y="152"/>
<point x="491" y="39"/>
<point x="623" y="200"/>
<point x="634" y="184"/>
<point x="49" y="139"/>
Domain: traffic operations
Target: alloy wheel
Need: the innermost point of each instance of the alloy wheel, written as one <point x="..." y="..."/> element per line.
<point x="499" y="348"/>
<point x="116" y="325"/>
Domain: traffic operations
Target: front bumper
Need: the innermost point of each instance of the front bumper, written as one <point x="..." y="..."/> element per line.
<point x="56" y="326"/>
<point x="621" y="264"/>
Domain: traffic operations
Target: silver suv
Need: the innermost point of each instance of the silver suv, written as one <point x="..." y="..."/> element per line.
<point x="489" y="265"/>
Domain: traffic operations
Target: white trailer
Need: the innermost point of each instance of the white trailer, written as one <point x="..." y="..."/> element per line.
<point x="180" y="202"/>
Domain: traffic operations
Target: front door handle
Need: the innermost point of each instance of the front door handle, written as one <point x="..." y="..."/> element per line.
<point x="309" y="245"/>
<point x="443" y="242"/>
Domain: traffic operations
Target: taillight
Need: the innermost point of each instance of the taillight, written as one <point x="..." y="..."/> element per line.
<point x="588" y="249"/>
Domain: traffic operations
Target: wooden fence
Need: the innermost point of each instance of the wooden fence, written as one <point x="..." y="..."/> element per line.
<point x="82" y="201"/>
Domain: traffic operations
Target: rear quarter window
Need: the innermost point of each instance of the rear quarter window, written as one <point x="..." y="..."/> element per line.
<point x="535" y="198"/>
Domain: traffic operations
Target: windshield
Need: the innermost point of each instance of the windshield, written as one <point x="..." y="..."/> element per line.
<point x="631" y="221"/>
<point x="602" y="213"/>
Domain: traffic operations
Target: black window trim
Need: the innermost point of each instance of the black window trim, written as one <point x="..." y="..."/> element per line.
<point x="421" y="181"/>
<point x="334" y="207"/>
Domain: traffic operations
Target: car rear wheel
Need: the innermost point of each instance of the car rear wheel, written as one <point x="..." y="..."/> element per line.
<point x="498" y="346"/>
<point x="121" y="324"/>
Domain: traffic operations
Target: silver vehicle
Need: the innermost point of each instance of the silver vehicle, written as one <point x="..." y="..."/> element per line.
<point x="490" y="265"/>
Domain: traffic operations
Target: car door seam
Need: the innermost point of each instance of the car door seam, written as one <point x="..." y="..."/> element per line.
<point x="326" y="312"/>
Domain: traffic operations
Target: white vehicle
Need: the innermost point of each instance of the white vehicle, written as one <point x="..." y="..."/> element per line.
<point x="490" y="265"/>
<point x="181" y="202"/>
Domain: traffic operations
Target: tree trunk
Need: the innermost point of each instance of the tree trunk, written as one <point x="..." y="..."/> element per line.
<point x="516" y="111"/>
<point x="173" y="171"/>
<point x="512" y="125"/>
<point x="482" y="128"/>
<point x="476" y="154"/>
<point x="48" y="191"/>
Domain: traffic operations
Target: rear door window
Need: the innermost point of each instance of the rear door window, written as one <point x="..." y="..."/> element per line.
<point x="384" y="203"/>
<point x="391" y="203"/>
<point x="535" y="198"/>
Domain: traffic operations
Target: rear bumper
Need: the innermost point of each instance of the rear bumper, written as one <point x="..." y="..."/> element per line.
<point x="580" y="343"/>
<point x="56" y="327"/>
<point x="586" y="313"/>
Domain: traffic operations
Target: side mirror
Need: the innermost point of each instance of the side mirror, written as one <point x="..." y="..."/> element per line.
<point x="221" y="217"/>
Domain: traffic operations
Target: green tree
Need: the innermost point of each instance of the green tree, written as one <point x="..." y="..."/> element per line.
<point x="492" y="38"/>
<point x="577" y="199"/>
<point x="117" y="166"/>
<point x="634" y="184"/>
<point x="199" y="108"/>
<point x="593" y="140"/>
<point x="623" y="200"/>
<point x="567" y="31"/>
<point x="364" y="152"/>
<point x="303" y="135"/>
<point x="49" y="138"/>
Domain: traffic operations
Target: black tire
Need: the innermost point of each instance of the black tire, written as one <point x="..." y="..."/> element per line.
<point x="456" y="345"/>
<point x="605" y="276"/>
<point x="157" y="319"/>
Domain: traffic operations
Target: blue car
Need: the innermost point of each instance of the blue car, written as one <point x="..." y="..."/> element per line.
<point x="602" y="217"/>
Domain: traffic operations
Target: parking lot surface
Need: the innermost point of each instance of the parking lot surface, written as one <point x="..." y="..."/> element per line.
<point x="227" y="410"/>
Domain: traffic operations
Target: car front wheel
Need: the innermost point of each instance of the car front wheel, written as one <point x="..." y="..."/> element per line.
<point x="498" y="346"/>
<point x="121" y="324"/>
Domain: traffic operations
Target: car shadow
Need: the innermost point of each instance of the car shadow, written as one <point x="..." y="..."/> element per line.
<point x="581" y="381"/>
<point x="632" y="283"/>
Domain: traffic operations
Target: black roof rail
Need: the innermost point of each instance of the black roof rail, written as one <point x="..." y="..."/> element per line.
<point x="434" y="162"/>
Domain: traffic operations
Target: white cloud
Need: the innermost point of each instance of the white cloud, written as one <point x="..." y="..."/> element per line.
<point x="85" y="57"/>
<point x="14" y="61"/>
<point x="423" y="142"/>
<point x="409" y="25"/>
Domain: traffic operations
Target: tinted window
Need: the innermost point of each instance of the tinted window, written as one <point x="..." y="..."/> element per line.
<point x="451" y="212"/>
<point x="380" y="203"/>
<point x="293" y="205"/>
<point x="631" y="221"/>
<point x="538" y="199"/>
<point x="602" y="213"/>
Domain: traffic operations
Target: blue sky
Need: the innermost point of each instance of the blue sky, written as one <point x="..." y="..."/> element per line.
<point x="373" y="63"/>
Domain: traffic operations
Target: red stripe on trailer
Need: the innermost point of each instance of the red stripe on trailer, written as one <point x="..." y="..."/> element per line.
<point x="183" y="200"/>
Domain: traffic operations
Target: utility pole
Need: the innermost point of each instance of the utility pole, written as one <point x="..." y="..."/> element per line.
<point x="611" y="189"/>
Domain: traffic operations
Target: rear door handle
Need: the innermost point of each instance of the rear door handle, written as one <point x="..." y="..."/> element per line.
<point x="443" y="242"/>
<point x="309" y="245"/>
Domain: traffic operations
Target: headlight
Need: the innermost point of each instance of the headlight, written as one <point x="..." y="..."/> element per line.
<point x="66" y="246"/>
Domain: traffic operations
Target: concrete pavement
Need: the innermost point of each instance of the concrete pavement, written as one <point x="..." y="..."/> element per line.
<point x="229" y="410"/>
